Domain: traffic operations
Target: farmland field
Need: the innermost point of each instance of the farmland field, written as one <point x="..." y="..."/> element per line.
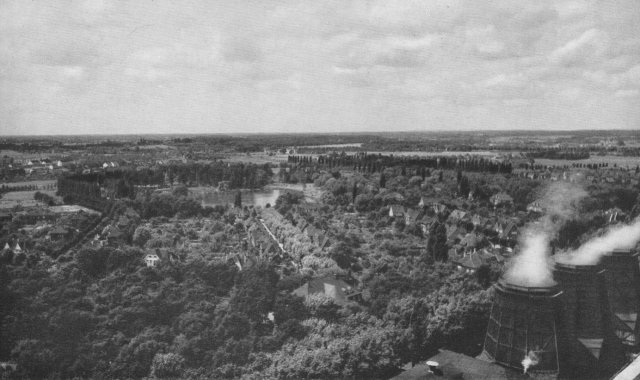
<point x="22" y="198"/>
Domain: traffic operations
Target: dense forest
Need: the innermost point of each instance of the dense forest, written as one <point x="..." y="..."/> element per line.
<point x="103" y="314"/>
<point x="305" y="168"/>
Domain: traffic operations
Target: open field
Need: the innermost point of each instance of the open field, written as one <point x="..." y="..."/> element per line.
<point x="22" y="198"/>
<point x="62" y="209"/>
<point x="256" y="158"/>
<point x="12" y="153"/>
<point x="352" y="145"/>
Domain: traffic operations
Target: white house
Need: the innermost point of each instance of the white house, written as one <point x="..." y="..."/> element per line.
<point x="151" y="259"/>
<point x="396" y="211"/>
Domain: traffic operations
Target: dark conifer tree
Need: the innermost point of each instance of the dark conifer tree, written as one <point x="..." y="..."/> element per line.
<point x="354" y="192"/>
<point x="238" y="201"/>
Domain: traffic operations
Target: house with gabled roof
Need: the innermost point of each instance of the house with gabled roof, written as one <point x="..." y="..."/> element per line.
<point x="501" y="199"/>
<point x="470" y="241"/>
<point x="456" y="216"/>
<point x="59" y="233"/>
<point x="479" y="221"/>
<point x="510" y="232"/>
<point x="427" y="202"/>
<point x="536" y="207"/>
<point x="452" y="365"/>
<point x="115" y="235"/>
<point x="492" y="254"/>
<point x="470" y="262"/>
<point x="151" y="259"/>
<point x="425" y="224"/>
<point x="455" y="234"/>
<point x="329" y="286"/>
<point x="396" y="211"/>
<point x="613" y="215"/>
<point x="439" y="208"/>
<point x="411" y="216"/>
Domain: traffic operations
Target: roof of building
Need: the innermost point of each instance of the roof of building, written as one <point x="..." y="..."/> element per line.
<point x="458" y="366"/>
<point x="630" y="372"/>
<point x="501" y="197"/>
<point x="439" y="208"/>
<point x="508" y="229"/>
<point x="470" y="240"/>
<point x="59" y="230"/>
<point x="412" y="214"/>
<point x="329" y="286"/>
<point x="455" y="233"/>
<point x="396" y="210"/>
<point x="457" y="214"/>
<point x="471" y="261"/>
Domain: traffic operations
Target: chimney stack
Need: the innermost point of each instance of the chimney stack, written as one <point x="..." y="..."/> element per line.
<point x="592" y="347"/>
<point x="523" y="321"/>
<point x="623" y="289"/>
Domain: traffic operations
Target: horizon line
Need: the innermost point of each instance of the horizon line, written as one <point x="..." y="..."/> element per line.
<point x="320" y="133"/>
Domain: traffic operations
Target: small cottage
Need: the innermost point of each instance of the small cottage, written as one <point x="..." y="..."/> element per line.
<point x="151" y="260"/>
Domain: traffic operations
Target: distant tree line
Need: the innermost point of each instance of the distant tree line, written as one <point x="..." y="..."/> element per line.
<point x="77" y="186"/>
<point x="7" y="189"/>
<point x="371" y="163"/>
<point x="238" y="175"/>
<point x="560" y="154"/>
<point x="121" y="183"/>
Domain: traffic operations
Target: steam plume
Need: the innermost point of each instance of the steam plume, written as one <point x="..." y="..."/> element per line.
<point x="560" y="202"/>
<point x="590" y="253"/>
<point x="532" y="266"/>
<point x="529" y="361"/>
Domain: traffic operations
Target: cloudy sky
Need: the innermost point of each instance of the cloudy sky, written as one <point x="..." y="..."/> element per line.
<point x="77" y="67"/>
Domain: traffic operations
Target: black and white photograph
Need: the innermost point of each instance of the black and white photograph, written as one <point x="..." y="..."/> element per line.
<point x="329" y="189"/>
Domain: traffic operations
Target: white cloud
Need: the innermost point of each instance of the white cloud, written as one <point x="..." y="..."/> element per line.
<point x="74" y="72"/>
<point x="394" y="51"/>
<point x="590" y="45"/>
<point x="568" y="9"/>
<point x="322" y="65"/>
<point x="485" y="41"/>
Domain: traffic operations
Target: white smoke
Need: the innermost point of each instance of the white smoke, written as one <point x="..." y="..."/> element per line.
<point x="560" y="201"/>
<point x="532" y="267"/>
<point x="618" y="237"/>
<point x="530" y="360"/>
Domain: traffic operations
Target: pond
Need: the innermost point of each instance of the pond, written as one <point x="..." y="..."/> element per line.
<point x="249" y="197"/>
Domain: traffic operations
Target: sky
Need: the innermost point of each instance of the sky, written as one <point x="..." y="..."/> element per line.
<point x="118" y="67"/>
